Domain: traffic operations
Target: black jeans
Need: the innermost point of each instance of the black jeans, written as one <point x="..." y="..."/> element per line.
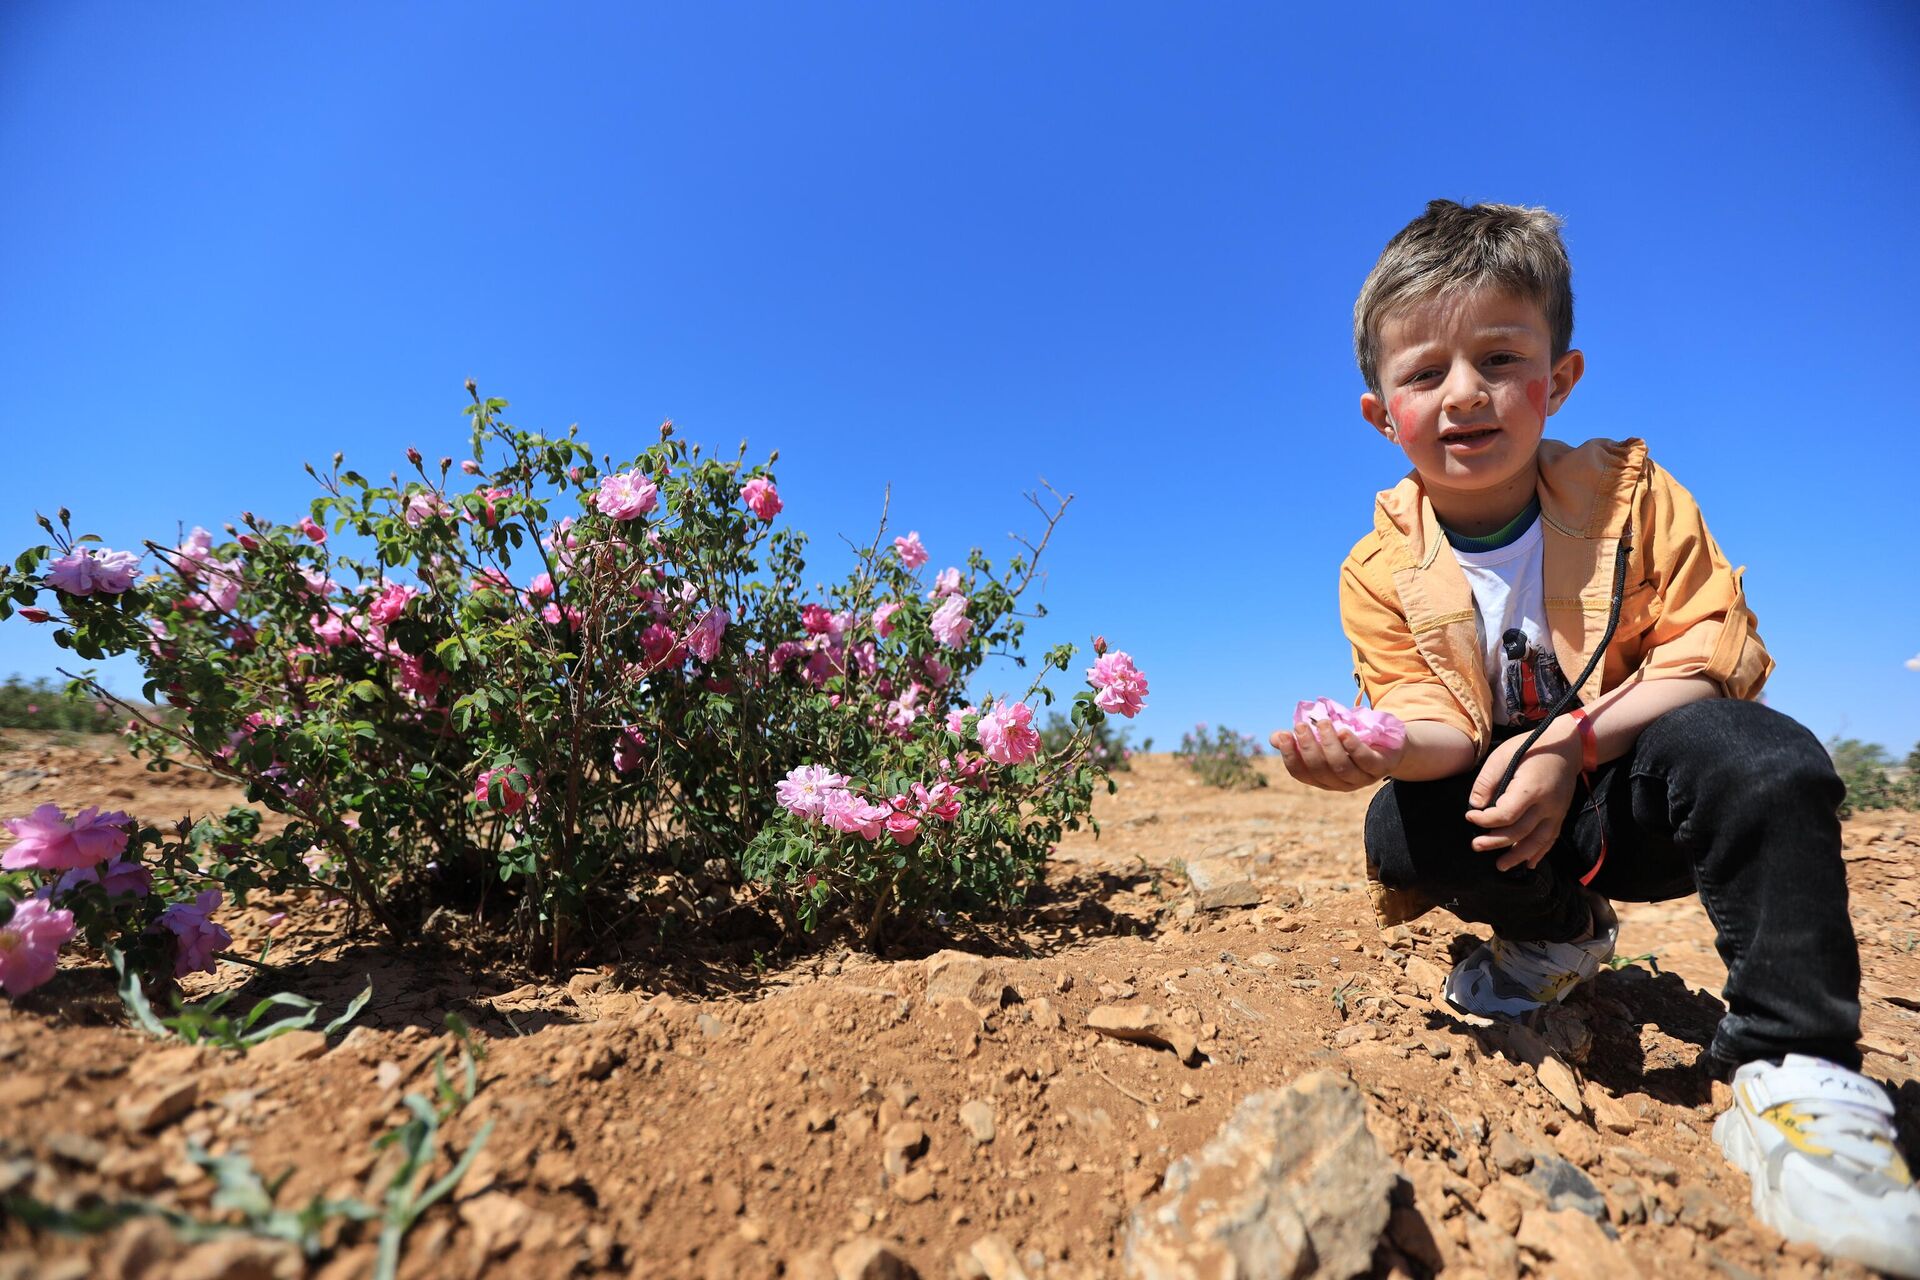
<point x="1729" y="799"/>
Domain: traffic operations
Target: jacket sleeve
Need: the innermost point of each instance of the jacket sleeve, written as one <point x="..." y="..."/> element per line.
<point x="1387" y="664"/>
<point x="1701" y="623"/>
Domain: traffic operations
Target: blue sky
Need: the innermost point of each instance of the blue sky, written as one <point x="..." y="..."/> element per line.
<point x="955" y="249"/>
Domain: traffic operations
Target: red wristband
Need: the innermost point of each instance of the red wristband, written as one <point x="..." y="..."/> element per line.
<point x="1589" y="745"/>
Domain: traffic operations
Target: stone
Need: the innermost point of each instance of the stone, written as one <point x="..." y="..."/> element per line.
<point x="1294" y="1184"/>
<point x="1574" y="1246"/>
<point x="866" y="1258"/>
<point x="1609" y="1112"/>
<point x="902" y="1144"/>
<point x="977" y="1116"/>
<point x="1629" y="1208"/>
<point x="1217" y="883"/>
<point x="711" y="1027"/>
<point x="497" y="1222"/>
<point x="1407" y="1227"/>
<point x="914" y="1187"/>
<point x="157" y="1106"/>
<point x="1558" y="1079"/>
<point x="1510" y="1155"/>
<point x="1142" y="1024"/>
<point x="974" y="981"/>
<point x="290" y="1046"/>
<point x="1493" y="1248"/>
<point x="996" y="1259"/>
<point x="1425" y="976"/>
<point x="77" y="1149"/>
<point x="137" y="1250"/>
<point x="240" y="1258"/>
<point x="1045" y="1016"/>
<point x="818" y="1120"/>
<point x="1705" y="1212"/>
<point x="1565" y="1187"/>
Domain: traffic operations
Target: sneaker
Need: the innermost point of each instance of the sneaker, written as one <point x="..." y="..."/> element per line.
<point x="1818" y="1142"/>
<point x="1503" y="979"/>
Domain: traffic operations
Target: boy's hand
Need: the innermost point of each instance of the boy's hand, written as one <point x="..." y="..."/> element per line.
<point x="1330" y="757"/>
<point x="1526" y="822"/>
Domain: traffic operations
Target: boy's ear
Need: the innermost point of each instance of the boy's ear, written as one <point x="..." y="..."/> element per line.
<point x="1375" y="412"/>
<point x="1566" y="372"/>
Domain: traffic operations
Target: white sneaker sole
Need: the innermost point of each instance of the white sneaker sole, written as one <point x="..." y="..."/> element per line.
<point x="1734" y="1136"/>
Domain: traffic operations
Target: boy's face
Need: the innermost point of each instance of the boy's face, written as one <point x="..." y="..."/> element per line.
<point x="1467" y="382"/>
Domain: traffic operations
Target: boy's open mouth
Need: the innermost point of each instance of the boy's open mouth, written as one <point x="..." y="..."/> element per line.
<point x="1469" y="438"/>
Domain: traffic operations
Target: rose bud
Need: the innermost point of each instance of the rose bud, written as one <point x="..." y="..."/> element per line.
<point x="1099" y="645"/>
<point x="413" y="455"/>
<point x="32" y="614"/>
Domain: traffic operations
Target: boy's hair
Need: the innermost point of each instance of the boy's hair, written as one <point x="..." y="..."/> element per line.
<point x="1452" y="247"/>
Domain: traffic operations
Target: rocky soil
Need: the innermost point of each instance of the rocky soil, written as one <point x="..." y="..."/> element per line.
<point x="1197" y="1058"/>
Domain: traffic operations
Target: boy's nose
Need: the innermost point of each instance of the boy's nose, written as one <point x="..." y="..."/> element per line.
<point x="1465" y="394"/>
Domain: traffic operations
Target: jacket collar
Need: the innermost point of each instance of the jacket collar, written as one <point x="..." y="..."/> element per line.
<point x="1584" y="491"/>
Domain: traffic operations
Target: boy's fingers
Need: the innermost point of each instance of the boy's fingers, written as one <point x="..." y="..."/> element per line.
<point x="1364" y="757"/>
<point x="1333" y="753"/>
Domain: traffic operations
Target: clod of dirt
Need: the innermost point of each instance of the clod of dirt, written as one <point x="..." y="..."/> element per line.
<point x="1293" y="1185"/>
<point x="978" y="983"/>
<point x="1142" y="1024"/>
<point x="157" y="1106"/>
<point x="291" y="1046"/>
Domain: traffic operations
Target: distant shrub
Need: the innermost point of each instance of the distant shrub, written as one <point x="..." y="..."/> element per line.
<point x="1222" y="758"/>
<point x="41" y="704"/>
<point x="1873" y="780"/>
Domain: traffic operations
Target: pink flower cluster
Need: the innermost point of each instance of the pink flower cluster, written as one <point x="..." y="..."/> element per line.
<point x="817" y="793"/>
<point x="30" y="944"/>
<point x="627" y="495"/>
<point x="83" y="571"/>
<point x="950" y="623"/>
<point x="912" y="554"/>
<point x="1123" y="690"/>
<point x="1381" y="730"/>
<point x="424" y="506"/>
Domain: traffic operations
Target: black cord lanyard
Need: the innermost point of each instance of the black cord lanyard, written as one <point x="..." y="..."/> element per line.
<point x="1565" y="700"/>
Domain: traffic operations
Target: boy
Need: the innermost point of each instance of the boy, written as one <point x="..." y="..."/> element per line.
<point x="1476" y="604"/>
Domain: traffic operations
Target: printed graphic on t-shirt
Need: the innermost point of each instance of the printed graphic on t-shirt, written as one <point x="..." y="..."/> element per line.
<point x="1530" y="680"/>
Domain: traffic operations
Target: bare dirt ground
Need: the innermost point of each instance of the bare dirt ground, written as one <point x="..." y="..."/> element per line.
<point x="706" y="1119"/>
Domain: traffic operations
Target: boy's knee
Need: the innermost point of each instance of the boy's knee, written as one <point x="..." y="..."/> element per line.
<point x="1748" y="748"/>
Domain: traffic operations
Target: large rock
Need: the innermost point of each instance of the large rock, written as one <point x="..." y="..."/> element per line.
<point x="974" y="981"/>
<point x="1292" y="1186"/>
<point x="1217" y="883"/>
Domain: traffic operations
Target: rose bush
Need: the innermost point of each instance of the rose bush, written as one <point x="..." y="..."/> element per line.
<point x="523" y="686"/>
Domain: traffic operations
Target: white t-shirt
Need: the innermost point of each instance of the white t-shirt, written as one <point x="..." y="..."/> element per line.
<point x="1509" y="604"/>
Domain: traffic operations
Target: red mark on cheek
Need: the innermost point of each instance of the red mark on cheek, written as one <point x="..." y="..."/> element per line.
<point x="1406" y="425"/>
<point x="1537" y="397"/>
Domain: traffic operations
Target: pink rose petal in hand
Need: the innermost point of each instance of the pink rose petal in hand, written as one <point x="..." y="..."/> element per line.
<point x="1380" y="730"/>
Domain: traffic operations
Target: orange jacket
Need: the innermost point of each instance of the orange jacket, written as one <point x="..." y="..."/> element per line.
<point x="1408" y="612"/>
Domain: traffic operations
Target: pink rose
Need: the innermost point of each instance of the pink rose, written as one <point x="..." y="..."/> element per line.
<point x="950" y="623"/>
<point x="945" y="583"/>
<point x="1123" y="690"/>
<point x="903" y="827"/>
<point x="817" y="619"/>
<point x="956" y="720"/>
<point x="626" y="751"/>
<point x="883" y="617"/>
<point x="30" y="944"/>
<point x="424" y="506"/>
<point x="911" y="553"/>
<point x="119" y="879"/>
<point x="191" y="554"/>
<point x="47" y="841"/>
<point x="662" y="646"/>
<point x="804" y="791"/>
<point x="312" y="528"/>
<point x="761" y="497"/>
<point x="196" y="936"/>
<point x="1007" y="734"/>
<point x="556" y="614"/>
<point x="626" y="496"/>
<point x="390" y="604"/>
<point x="514" y="787"/>
<point x="469" y="467"/>
<point x="1381" y="730"/>
<point x="83" y="571"/>
<point x="541" y="587"/>
<point x="704" y="643"/>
